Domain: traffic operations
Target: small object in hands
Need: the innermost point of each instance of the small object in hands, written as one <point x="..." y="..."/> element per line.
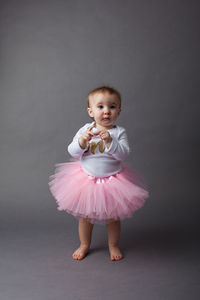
<point x="95" y="130"/>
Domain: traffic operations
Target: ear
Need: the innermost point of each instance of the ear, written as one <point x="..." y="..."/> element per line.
<point x="90" y="112"/>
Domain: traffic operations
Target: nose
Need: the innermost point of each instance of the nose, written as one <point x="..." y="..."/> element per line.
<point x="107" y="110"/>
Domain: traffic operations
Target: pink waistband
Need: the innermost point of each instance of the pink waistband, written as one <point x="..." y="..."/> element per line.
<point x="101" y="180"/>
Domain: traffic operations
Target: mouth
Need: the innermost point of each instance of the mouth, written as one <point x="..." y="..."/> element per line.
<point x="106" y="119"/>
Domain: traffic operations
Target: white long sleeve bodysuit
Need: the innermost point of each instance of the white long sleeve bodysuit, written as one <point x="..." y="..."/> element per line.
<point x="98" y="160"/>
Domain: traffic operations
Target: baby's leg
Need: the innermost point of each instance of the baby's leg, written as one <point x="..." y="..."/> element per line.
<point x="85" y="234"/>
<point x="113" y="230"/>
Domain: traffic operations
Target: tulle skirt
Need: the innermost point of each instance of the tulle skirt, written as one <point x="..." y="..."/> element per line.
<point x="99" y="200"/>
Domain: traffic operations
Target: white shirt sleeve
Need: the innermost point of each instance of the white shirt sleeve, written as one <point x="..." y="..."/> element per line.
<point x="119" y="147"/>
<point x="74" y="148"/>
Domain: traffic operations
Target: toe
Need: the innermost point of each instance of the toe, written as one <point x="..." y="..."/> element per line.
<point x="120" y="257"/>
<point x="74" y="256"/>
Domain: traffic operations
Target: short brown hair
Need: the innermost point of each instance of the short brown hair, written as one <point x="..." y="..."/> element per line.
<point x="104" y="89"/>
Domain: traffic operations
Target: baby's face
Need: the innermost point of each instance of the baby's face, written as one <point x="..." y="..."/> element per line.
<point x="104" y="108"/>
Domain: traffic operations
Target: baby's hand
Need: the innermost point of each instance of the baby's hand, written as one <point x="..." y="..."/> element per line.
<point x="105" y="136"/>
<point x="86" y="137"/>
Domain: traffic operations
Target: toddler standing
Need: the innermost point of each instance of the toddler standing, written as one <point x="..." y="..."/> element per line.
<point x="96" y="186"/>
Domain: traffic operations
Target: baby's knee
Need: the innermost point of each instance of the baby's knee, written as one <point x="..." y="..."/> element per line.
<point x="84" y="220"/>
<point x="109" y="221"/>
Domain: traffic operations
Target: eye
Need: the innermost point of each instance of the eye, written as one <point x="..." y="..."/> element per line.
<point x="100" y="106"/>
<point x="113" y="106"/>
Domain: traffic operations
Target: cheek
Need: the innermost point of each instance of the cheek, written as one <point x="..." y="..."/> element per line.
<point x="98" y="113"/>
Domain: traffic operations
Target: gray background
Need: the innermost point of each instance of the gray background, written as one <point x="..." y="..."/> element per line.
<point x="52" y="54"/>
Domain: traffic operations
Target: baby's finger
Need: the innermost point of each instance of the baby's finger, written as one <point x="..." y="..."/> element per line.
<point x="90" y="134"/>
<point x="91" y="127"/>
<point x="101" y="135"/>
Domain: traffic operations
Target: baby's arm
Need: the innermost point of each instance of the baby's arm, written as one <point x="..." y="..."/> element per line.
<point x="119" y="148"/>
<point x="79" y="144"/>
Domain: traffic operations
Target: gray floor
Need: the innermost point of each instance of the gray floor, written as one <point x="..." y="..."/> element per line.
<point x="158" y="265"/>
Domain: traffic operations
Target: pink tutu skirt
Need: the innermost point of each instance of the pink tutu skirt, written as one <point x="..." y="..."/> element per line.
<point x="100" y="200"/>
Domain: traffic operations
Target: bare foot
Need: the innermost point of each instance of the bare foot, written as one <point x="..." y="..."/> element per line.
<point x="80" y="253"/>
<point x="115" y="253"/>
